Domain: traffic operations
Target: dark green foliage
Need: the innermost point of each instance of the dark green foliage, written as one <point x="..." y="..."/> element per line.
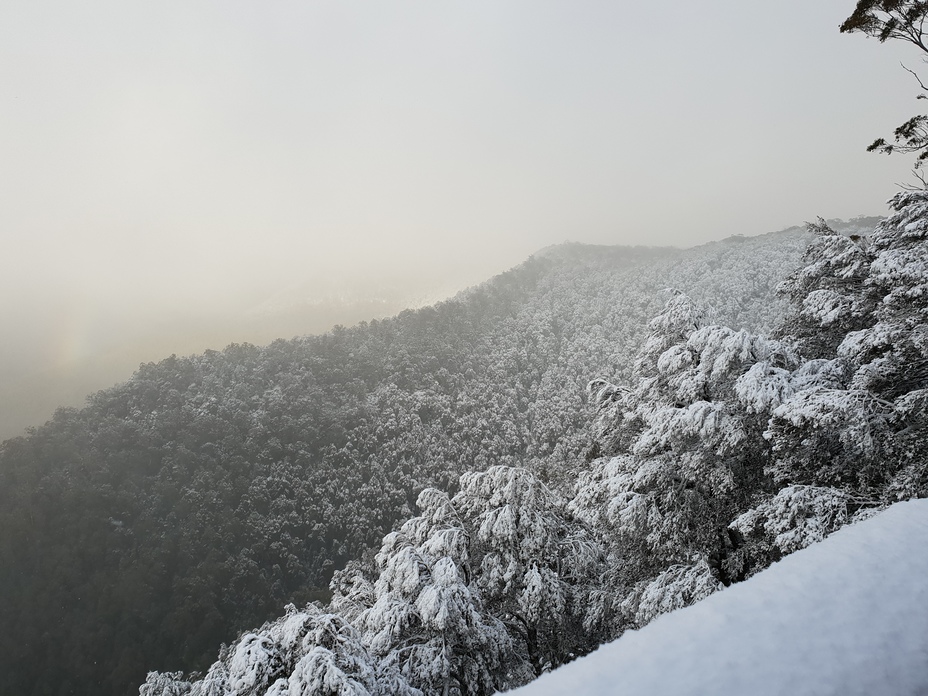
<point x="889" y="19"/>
<point x="910" y="137"/>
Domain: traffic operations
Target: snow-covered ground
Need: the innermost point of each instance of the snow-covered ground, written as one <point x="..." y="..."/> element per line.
<point x="846" y="616"/>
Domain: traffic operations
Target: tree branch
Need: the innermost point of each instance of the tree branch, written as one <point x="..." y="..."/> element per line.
<point x="915" y="75"/>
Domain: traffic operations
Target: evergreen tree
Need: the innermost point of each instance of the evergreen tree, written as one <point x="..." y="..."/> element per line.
<point x="304" y="653"/>
<point x="858" y="422"/>
<point x="536" y="565"/>
<point x="687" y="440"/>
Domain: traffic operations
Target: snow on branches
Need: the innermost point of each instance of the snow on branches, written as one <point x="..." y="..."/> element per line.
<point x="728" y="450"/>
<point x="689" y="436"/>
<point x="675" y="588"/>
<point x="479" y="591"/>
<point x="783" y="434"/>
<point x="795" y="517"/>
<point x="304" y="653"/>
<point x="851" y="424"/>
<point x="536" y="563"/>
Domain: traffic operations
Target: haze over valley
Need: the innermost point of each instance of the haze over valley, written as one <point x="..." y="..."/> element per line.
<point x="58" y="351"/>
<point x="184" y="176"/>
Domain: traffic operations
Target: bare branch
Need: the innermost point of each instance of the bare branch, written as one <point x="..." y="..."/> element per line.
<point x="923" y="181"/>
<point x="915" y="75"/>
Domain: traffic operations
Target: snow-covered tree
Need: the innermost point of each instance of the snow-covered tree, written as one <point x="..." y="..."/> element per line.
<point x="536" y="566"/>
<point x="856" y="417"/>
<point x="675" y="588"/>
<point x="480" y="591"/>
<point x="165" y="684"/>
<point x="425" y="617"/>
<point x="794" y="518"/>
<point x="308" y="652"/>
<point x="687" y="439"/>
<point x="825" y="292"/>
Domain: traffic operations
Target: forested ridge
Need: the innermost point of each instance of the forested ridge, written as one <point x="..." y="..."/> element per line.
<point x="201" y="496"/>
<point x="726" y="450"/>
<point x="463" y="497"/>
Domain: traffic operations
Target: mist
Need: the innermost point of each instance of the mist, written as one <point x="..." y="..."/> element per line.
<point x="183" y="175"/>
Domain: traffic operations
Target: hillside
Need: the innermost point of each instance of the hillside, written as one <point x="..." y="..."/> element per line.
<point x="727" y="450"/>
<point x="56" y="354"/>
<point x="208" y="491"/>
<point x="845" y="616"/>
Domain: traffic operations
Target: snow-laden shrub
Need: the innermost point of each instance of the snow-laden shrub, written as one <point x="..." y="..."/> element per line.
<point x="795" y="517"/>
<point x="165" y="684"/>
<point x="307" y="652"/>
<point x="675" y="588"/>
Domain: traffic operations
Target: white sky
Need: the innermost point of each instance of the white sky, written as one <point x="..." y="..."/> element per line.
<point x="180" y="145"/>
<point x="187" y="155"/>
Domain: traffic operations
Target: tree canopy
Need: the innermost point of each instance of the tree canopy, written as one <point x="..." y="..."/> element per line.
<point x="722" y="452"/>
<point x="209" y="491"/>
<point x="889" y="19"/>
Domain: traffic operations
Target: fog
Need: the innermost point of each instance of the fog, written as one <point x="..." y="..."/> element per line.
<point x="180" y="175"/>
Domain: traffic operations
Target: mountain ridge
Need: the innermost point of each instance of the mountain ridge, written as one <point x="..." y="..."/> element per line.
<point x="242" y="478"/>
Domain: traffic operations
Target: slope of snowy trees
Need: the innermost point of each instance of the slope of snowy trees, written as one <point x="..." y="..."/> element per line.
<point x="727" y="450"/>
<point x="206" y="493"/>
<point x="845" y="617"/>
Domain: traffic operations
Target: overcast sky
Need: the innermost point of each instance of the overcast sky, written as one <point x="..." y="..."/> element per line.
<point x="181" y="153"/>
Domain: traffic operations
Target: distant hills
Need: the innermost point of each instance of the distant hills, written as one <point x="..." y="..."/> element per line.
<point x="55" y="358"/>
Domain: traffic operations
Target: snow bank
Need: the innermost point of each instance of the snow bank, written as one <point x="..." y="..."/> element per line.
<point x="846" y="616"/>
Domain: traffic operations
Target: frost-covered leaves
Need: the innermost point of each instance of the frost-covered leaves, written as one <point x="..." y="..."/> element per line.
<point x="853" y="423"/>
<point x="898" y="278"/>
<point x="689" y="436"/>
<point x="536" y="564"/>
<point x="831" y="410"/>
<point x="479" y="591"/>
<point x="646" y="508"/>
<point x="844" y="413"/>
<point x="425" y="618"/>
<point x="680" y="318"/>
<point x="165" y="684"/>
<point x="304" y="653"/>
<point x="689" y="397"/>
<point x="825" y="292"/>
<point x="216" y="681"/>
<point x="719" y="418"/>
<point x="796" y="517"/>
<point x="256" y="660"/>
<point x="476" y="594"/>
<point x="830" y="437"/>
<point x="675" y="588"/>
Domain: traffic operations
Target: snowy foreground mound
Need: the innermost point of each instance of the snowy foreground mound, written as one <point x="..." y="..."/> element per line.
<point x="846" y="616"/>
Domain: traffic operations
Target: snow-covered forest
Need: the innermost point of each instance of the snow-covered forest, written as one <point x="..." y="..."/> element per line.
<point x="535" y="466"/>
<point x="729" y="449"/>
<point x="200" y="497"/>
<point x="462" y="498"/>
